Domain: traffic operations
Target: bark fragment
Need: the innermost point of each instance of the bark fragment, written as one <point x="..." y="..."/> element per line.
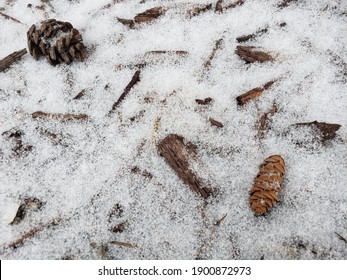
<point x="175" y="152"/>
<point x="252" y="54"/>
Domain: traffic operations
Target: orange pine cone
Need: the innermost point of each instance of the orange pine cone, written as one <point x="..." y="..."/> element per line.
<point x="267" y="184"/>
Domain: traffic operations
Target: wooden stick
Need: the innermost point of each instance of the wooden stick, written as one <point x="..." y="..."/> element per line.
<point x="215" y="123"/>
<point x="9" y="17"/>
<point x="134" y="80"/>
<point x="8" y="60"/>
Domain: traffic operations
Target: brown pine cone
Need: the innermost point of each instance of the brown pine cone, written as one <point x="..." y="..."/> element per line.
<point x="58" y="41"/>
<point x="267" y="184"/>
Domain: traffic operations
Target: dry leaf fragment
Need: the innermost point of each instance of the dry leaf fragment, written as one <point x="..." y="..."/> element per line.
<point x="128" y="22"/>
<point x="205" y="101"/>
<point x="267" y="184"/>
<point x="215" y="123"/>
<point x="252" y="94"/>
<point x="252" y="54"/>
<point x="327" y="131"/>
<point x="175" y="152"/>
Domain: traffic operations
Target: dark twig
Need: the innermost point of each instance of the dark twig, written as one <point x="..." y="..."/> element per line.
<point x="31" y="233"/>
<point x="9" y="17"/>
<point x="341" y="237"/>
<point x="8" y="60"/>
<point x="134" y="80"/>
<point x="215" y="123"/>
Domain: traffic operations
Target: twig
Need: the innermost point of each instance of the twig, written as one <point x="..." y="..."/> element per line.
<point x="55" y="116"/>
<point x="9" y="17"/>
<point x="248" y="37"/>
<point x="285" y="3"/>
<point x="134" y="80"/>
<point x="180" y="53"/>
<point x="124" y="244"/>
<point x="8" y="60"/>
<point x="341" y="237"/>
<point x="31" y="233"/>
<point x="207" y="64"/>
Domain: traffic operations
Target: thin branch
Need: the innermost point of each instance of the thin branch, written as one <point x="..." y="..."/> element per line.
<point x="9" y="17"/>
<point x="134" y="80"/>
<point x="8" y="60"/>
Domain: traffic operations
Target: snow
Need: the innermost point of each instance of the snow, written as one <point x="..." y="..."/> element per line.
<point x="83" y="177"/>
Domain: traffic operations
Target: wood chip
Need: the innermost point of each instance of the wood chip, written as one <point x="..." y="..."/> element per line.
<point x="215" y="123"/>
<point x="175" y="152"/>
<point x="285" y="3"/>
<point x="264" y="121"/>
<point x="55" y="116"/>
<point x="149" y="15"/>
<point x="128" y="22"/>
<point x="195" y="11"/>
<point x="205" y="101"/>
<point x="252" y="94"/>
<point x="252" y="54"/>
<point x="119" y="228"/>
<point x="11" y="58"/>
<point x="327" y="131"/>
<point x="219" y="6"/>
<point x="234" y="5"/>
<point x="80" y="94"/>
<point x="134" y="80"/>
<point x="27" y="205"/>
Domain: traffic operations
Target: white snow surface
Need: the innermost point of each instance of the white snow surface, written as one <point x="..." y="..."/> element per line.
<point x="88" y="173"/>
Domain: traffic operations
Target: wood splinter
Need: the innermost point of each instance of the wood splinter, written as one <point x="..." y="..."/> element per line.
<point x="264" y="121"/>
<point x="252" y="94"/>
<point x="175" y="152"/>
<point x="215" y="123"/>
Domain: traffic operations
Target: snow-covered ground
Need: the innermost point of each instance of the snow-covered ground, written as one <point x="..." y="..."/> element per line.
<point x="94" y="175"/>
